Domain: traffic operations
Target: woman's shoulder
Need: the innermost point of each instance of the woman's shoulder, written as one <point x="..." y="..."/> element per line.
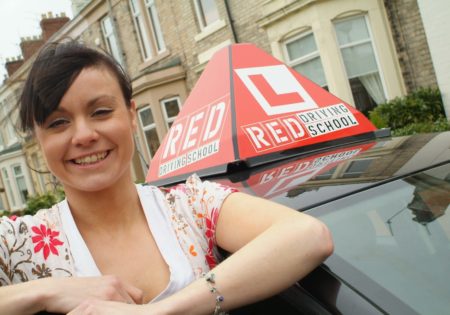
<point x="195" y="186"/>
<point x="32" y="247"/>
<point x="48" y="217"/>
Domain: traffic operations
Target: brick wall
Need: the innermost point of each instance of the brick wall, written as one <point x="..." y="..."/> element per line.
<point x="30" y="45"/>
<point x="411" y="43"/>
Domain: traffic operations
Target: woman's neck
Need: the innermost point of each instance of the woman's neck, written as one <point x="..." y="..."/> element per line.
<point x="118" y="206"/>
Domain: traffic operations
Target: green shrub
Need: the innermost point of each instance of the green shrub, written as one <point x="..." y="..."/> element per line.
<point x="420" y="108"/>
<point x="440" y="125"/>
<point x="35" y="203"/>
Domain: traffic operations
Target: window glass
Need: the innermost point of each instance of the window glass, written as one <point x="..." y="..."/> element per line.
<point x="21" y="184"/>
<point x="357" y="167"/>
<point x="149" y="127"/>
<point x="9" y="190"/>
<point x="360" y="63"/>
<point x="2" y="206"/>
<point x="2" y="142"/>
<point x="206" y="11"/>
<point x="353" y="30"/>
<point x="303" y="56"/>
<point x="157" y="33"/>
<point x="398" y="235"/>
<point x="38" y="169"/>
<point x="171" y="108"/>
<point x="141" y="30"/>
<point x="110" y="38"/>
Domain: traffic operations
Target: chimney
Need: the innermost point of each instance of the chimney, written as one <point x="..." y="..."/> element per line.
<point x="30" y="45"/>
<point x="12" y="64"/>
<point x="51" y="24"/>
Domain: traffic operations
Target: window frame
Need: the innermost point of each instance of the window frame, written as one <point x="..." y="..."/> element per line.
<point x="149" y="31"/>
<point x="357" y="43"/>
<point x="115" y="52"/>
<point x="311" y="56"/>
<point x="16" y="177"/>
<point x="155" y="24"/>
<point x="147" y="128"/>
<point x="199" y="15"/>
<point x="168" y="119"/>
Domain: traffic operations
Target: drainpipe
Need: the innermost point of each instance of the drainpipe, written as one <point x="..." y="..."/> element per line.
<point x="231" y="21"/>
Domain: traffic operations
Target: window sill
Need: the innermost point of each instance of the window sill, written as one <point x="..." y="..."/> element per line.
<point x="153" y="60"/>
<point x="210" y="29"/>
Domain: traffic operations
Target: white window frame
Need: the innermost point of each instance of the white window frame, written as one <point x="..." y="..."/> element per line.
<point x="8" y="188"/>
<point x="141" y="29"/>
<point x="10" y="181"/>
<point x="147" y="25"/>
<point x="168" y="119"/>
<point x="160" y="45"/>
<point x="199" y="12"/>
<point x="306" y="58"/>
<point x="110" y="39"/>
<point x="16" y="181"/>
<point x="2" y="140"/>
<point x="369" y="40"/>
<point x="147" y="128"/>
<point x="37" y="165"/>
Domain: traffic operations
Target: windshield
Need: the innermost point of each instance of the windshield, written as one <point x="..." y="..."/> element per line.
<point x="398" y="235"/>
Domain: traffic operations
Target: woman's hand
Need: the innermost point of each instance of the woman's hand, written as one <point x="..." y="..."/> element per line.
<point x="98" y="307"/>
<point x="65" y="294"/>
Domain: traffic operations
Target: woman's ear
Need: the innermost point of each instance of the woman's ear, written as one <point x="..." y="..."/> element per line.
<point x="133" y="115"/>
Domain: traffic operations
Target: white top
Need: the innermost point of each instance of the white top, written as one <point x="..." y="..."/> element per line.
<point x="156" y="213"/>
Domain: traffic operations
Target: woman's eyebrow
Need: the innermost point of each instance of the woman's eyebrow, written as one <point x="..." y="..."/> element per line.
<point x="101" y="98"/>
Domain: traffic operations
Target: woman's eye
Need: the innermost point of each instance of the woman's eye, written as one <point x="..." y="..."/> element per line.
<point x="57" y="123"/>
<point x="102" y="112"/>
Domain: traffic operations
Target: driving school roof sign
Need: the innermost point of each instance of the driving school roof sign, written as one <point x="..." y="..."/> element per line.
<point x="248" y="106"/>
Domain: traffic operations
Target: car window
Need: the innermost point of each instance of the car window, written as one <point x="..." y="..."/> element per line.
<point x="398" y="235"/>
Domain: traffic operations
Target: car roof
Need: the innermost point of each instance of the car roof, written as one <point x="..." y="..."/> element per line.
<point x="309" y="180"/>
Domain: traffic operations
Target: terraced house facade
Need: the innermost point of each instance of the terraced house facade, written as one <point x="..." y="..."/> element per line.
<point x="365" y="52"/>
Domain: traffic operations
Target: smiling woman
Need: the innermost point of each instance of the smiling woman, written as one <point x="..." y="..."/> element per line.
<point x="113" y="247"/>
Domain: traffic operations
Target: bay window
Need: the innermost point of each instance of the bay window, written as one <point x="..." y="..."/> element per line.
<point x="360" y="62"/>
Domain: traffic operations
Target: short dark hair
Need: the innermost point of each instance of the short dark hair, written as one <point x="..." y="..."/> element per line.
<point x="56" y="67"/>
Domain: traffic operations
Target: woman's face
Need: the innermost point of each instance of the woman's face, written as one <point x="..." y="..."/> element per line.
<point x="88" y="140"/>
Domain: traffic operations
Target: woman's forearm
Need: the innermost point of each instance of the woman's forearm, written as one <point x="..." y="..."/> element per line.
<point x="274" y="260"/>
<point x="23" y="298"/>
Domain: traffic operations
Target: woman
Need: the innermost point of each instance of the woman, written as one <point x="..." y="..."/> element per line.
<point x="111" y="246"/>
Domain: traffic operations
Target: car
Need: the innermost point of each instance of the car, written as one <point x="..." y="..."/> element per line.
<point x="385" y="203"/>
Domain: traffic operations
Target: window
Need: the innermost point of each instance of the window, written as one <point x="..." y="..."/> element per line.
<point x="2" y="205"/>
<point x="38" y="168"/>
<point x="156" y="26"/>
<point x="303" y="56"/>
<point x="149" y="127"/>
<point x="20" y="182"/>
<point x="2" y="142"/>
<point x="148" y="28"/>
<point x="357" y="167"/>
<point x="171" y="108"/>
<point x="360" y="63"/>
<point x="8" y="187"/>
<point x="207" y="12"/>
<point x="110" y="38"/>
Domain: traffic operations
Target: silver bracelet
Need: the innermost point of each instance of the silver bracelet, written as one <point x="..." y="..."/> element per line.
<point x="210" y="279"/>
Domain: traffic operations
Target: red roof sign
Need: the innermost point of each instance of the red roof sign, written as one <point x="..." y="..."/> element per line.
<point x="248" y="106"/>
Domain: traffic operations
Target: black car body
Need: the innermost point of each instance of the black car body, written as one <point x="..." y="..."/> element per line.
<point x="385" y="203"/>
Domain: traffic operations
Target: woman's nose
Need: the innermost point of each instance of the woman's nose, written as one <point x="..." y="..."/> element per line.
<point x="84" y="133"/>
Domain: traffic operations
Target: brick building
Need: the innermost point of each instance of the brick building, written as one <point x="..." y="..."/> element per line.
<point x="365" y="52"/>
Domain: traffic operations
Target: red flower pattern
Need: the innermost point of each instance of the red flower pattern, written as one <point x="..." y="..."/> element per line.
<point x="45" y="239"/>
<point x="210" y="237"/>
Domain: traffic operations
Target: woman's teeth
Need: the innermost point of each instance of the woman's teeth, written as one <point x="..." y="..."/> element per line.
<point x="91" y="158"/>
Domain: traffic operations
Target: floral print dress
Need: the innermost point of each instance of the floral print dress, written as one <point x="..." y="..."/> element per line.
<point x="33" y="247"/>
